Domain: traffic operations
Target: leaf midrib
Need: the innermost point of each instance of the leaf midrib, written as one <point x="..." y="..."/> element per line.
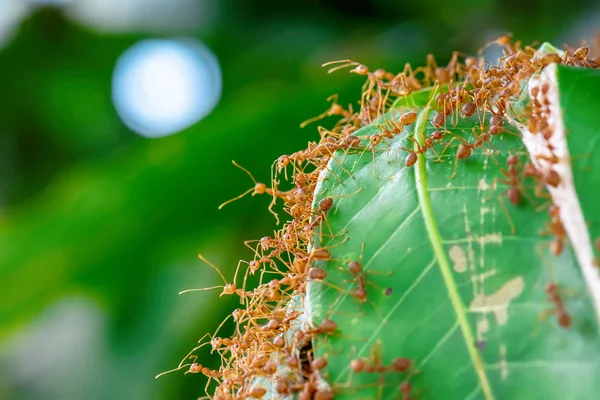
<point x="440" y="254"/>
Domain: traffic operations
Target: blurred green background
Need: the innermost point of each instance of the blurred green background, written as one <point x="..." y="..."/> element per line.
<point x="100" y="226"/>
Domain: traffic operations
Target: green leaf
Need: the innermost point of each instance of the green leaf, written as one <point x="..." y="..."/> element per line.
<point x="578" y="88"/>
<point x="455" y="276"/>
<point x="569" y="98"/>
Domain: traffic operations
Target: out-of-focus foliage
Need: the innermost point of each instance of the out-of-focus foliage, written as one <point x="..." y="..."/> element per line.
<point x="104" y="226"/>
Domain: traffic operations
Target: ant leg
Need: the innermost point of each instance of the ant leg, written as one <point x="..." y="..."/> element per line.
<point x="455" y="167"/>
<point x="274" y="184"/>
<point x="334" y="175"/>
<point x="492" y="188"/>
<point x="206" y="387"/>
<point x="247" y="244"/>
<point x="190" y="354"/>
<point x="324" y="220"/>
<point x="331" y="285"/>
<point x="513" y="229"/>
<point x="245" y="275"/>
<point x="449" y="143"/>
<point x="332" y="156"/>
<point x="236" y="273"/>
<point x="375" y="272"/>
<point x="373" y="163"/>
<point x="379" y="314"/>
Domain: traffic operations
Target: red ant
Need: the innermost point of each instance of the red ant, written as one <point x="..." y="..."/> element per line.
<point x="465" y="149"/>
<point x="405" y="388"/>
<point x="556" y="228"/>
<point x="375" y="364"/>
<point x="327" y="326"/>
<point x="356" y="270"/>
<point x="412" y="157"/>
<point x="514" y="191"/>
<point x="550" y="177"/>
<point x="564" y="319"/>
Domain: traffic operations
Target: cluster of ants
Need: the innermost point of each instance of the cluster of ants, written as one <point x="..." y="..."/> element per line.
<point x="270" y="353"/>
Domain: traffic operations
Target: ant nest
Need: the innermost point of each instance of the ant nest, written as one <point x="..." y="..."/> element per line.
<point x="270" y="354"/>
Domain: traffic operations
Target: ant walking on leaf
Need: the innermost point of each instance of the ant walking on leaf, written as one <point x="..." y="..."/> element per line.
<point x="564" y="319"/>
<point x="359" y="277"/>
<point x="554" y="295"/>
<point x="513" y="177"/>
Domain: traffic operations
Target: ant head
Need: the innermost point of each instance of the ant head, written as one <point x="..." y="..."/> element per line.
<point x="274" y="284"/>
<point x="282" y="162"/>
<point x="254" y="265"/>
<point x="360" y="70"/>
<point x="375" y="139"/>
<point x="551" y="288"/>
<point x="512" y="160"/>
<point x="437" y="135"/>
<point x="259" y="188"/>
<point x="237" y="314"/>
<point x="358" y="365"/>
<point x="336" y="109"/>
<point x="229" y="289"/>
<point x="216" y="342"/>
<point x="405" y="387"/>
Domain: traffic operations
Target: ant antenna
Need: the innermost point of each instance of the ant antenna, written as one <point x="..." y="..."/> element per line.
<point x="172" y="370"/>
<point x="347" y="63"/>
<point x="246" y="192"/>
<point x="200" y="256"/>
<point x="208" y="288"/>
<point x="334" y="100"/>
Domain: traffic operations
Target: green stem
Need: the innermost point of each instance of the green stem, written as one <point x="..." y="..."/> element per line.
<point x="440" y="254"/>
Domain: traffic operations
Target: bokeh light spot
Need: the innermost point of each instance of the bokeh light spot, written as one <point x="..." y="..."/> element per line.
<point x="161" y="86"/>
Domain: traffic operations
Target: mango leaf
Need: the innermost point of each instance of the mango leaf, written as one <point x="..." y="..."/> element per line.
<point x="578" y="88"/>
<point x="564" y="97"/>
<point x="454" y="275"/>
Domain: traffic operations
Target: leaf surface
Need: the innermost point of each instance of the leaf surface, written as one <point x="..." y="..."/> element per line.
<point x="454" y="275"/>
